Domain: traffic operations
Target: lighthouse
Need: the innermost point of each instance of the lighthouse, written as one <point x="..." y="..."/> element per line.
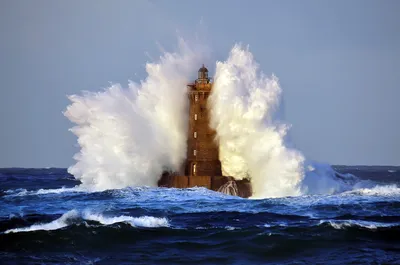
<point x="202" y="150"/>
<point x="202" y="167"/>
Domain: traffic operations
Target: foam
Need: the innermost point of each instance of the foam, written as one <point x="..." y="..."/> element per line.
<point x="24" y="192"/>
<point x="75" y="217"/>
<point x="379" y="190"/>
<point x="65" y="220"/>
<point x="143" y="221"/>
<point x="343" y="224"/>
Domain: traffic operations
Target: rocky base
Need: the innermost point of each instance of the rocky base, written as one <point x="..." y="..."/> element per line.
<point x="224" y="184"/>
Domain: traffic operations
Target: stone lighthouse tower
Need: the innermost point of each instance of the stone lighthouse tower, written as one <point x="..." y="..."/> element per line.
<point x="202" y="150"/>
<point x="202" y="167"/>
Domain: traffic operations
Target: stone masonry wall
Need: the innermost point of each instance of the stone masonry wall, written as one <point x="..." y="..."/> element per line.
<point x="201" y="146"/>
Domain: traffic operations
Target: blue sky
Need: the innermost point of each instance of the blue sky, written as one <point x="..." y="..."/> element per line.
<point x="338" y="63"/>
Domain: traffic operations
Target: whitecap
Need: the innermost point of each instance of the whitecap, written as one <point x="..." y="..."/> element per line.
<point x="379" y="190"/>
<point x="65" y="220"/>
<point x="24" y="192"/>
<point x="142" y="221"/>
<point x="343" y="224"/>
<point x="74" y="217"/>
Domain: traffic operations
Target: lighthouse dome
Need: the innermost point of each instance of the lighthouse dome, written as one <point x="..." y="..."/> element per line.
<point x="203" y="69"/>
<point x="203" y="74"/>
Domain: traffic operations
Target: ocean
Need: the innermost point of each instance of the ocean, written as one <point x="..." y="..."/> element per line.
<point x="106" y="208"/>
<point x="47" y="218"/>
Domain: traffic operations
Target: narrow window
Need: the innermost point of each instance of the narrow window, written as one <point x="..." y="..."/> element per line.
<point x="196" y="97"/>
<point x="195" y="117"/>
<point x="194" y="152"/>
<point x="194" y="169"/>
<point x="195" y="134"/>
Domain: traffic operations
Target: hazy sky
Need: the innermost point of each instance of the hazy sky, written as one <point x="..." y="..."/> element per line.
<point x="338" y="63"/>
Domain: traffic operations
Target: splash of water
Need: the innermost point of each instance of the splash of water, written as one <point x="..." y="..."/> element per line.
<point x="128" y="136"/>
<point x="252" y="144"/>
<point x="229" y="188"/>
<point x="244" y="107"/>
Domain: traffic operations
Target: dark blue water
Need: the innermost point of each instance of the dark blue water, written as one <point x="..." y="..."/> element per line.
<point x="45" y="220"/>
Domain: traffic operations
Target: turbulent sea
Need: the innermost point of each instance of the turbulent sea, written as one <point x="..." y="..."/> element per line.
<point x="46" y="218"/>
<point x="106" y="209"/>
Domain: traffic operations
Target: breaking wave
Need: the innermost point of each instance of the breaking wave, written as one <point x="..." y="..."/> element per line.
<point x="143" y="221"/>
<point x="129" y="136"/>
<point x="65" y="220"/>
<point x="75" y="217"/>
<point x="245" y="113"/>
<point x="379" y="190"/>
<point x="25" y="192"/>
<point x="343" y="224"/>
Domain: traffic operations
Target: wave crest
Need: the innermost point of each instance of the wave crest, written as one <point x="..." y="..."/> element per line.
<point x="379" y="190"/>
<point x="75" y="217"/>
<point x="343" y="224"/>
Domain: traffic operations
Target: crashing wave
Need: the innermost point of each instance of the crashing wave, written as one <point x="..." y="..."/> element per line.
<point x="129" y="136"/>
<point x="75" y="217"/>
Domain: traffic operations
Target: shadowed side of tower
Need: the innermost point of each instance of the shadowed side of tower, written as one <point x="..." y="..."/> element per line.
<point x="202" y="167"/>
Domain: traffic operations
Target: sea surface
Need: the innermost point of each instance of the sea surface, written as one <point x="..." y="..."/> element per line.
<point x="45" y="218"/>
